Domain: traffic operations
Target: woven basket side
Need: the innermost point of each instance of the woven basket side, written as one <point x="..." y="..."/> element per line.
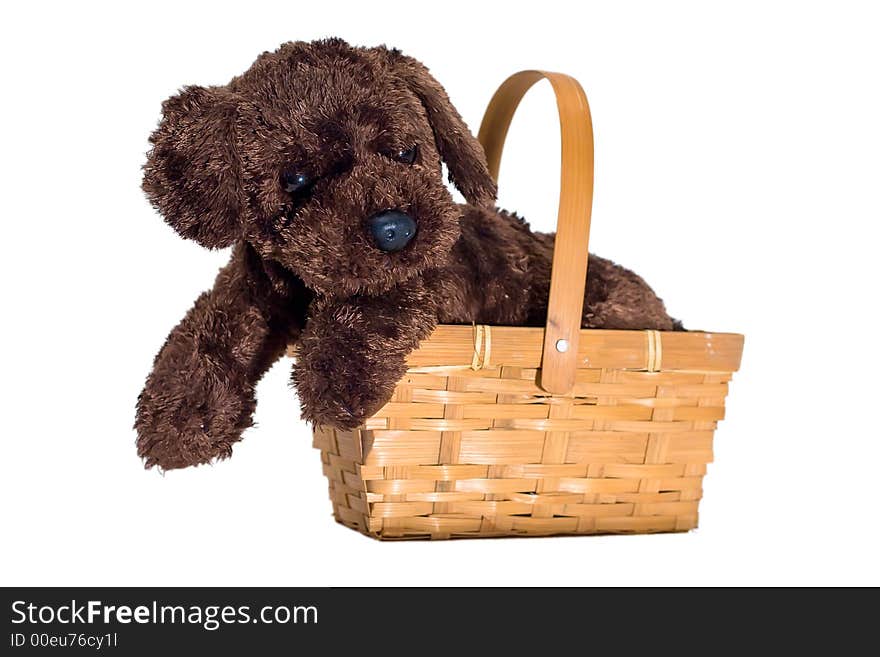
<point x="460" y="452"/>
<point x="340" y="457"/>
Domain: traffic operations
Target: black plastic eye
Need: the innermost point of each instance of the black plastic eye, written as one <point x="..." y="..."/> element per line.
<point x="407" y="156"/>
<point x="295" y="181"/>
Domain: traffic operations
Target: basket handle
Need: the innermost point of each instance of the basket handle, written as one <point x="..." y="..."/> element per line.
<point x="569" y="276"/>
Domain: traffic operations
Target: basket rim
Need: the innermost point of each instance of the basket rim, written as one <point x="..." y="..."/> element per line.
<point x="590" y="330"/>
<point x="478" y="346"/>
<point x="481" y="345"/>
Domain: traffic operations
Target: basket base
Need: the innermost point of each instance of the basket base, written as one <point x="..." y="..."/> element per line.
<point x="659" y="525"/>
<point x="658" y="512"/>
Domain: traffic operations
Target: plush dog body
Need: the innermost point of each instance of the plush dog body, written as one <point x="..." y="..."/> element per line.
<point x="321" y="166"/>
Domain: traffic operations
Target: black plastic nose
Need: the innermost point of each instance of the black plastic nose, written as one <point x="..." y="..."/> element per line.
<point x="392" y="230"/>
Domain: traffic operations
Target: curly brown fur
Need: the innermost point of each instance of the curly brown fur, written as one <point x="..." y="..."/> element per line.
<point x="305" y="265"/>
<point x="200" y="395"/>
<point x="499" y="273"/>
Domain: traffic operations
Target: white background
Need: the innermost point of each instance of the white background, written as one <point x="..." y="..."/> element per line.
<point x="738" y="162"/>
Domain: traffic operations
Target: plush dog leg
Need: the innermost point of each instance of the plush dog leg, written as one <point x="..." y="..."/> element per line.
<point x="200" y="395"/>
<point x="353" y="350"/>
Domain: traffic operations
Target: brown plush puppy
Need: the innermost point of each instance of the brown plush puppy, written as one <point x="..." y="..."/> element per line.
<point x="321" y="167"/>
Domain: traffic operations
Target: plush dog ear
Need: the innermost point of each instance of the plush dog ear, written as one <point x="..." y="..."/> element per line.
<point x="460" y="150"/>
<point x="192" y="172"/>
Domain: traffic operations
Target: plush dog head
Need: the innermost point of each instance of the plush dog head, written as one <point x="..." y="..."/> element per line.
<point x="326" y="159"/>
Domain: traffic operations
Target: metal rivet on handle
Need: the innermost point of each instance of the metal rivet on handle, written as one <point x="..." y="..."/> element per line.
<point x="562" y="346"/>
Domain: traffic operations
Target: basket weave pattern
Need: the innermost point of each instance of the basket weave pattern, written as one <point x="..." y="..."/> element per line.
<point x="462" y="452"/>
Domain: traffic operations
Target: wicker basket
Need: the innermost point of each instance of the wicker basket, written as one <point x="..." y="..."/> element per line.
<point x="514" y="431"/>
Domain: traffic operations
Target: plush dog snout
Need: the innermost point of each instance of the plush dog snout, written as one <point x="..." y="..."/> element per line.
<point x="392" y="230"/>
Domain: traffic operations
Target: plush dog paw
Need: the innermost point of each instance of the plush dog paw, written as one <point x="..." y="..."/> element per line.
<point x="344" y="406"/>
<point x="185" y="426"/>
<point x="341" y="397"/>
<point x="333" y="412"/>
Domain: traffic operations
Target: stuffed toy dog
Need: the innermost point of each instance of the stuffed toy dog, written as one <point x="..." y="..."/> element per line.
<point x="321" y="167"/>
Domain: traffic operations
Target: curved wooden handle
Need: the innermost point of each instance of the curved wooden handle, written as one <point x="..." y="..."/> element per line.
<point x="569" y="277"/>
